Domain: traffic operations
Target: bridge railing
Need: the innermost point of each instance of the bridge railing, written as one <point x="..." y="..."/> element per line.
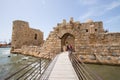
<point x="32" y="71"/>
<point x="83" y="72"/>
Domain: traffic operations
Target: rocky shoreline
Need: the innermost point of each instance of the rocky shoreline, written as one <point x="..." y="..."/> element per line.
<point x="92" y="58"/>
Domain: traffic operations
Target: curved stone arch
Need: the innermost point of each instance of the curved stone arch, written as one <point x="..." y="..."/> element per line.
<point x="64" y="38"/>
<point x="72" y="32"/>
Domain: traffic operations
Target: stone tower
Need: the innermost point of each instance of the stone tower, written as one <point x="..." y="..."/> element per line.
<point x="22" y="34"/>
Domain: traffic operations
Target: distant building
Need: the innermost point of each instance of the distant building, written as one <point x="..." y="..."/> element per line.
<point x="4" y="45"/>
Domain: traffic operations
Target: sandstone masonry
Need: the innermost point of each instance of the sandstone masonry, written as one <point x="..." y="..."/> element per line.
<point x="91" y="43"/>
<point x="89" y="40"/>
<point x="24" y="35"/>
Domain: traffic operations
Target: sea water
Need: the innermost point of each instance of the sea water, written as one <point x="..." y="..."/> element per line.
<point x="9" y="63"/>
<point x="107" y="72"/>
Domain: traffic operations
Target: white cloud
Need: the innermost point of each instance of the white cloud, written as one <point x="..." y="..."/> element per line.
<point x="113" y="5"/>
<point x="99" y="10"/>
<point x="88" y="2"/>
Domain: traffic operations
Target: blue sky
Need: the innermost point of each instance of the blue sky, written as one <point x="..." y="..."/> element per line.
<point x="45" y="14"/>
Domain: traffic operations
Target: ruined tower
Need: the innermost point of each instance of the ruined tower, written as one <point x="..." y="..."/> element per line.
<point x="22" y="34"/>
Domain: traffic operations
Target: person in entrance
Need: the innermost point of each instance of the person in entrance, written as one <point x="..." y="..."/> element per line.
<point x="69" y="48"/>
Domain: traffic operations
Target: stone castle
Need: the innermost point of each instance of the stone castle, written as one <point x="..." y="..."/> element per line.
<point x="24" y="35"/>
<point x="91" y="43"/>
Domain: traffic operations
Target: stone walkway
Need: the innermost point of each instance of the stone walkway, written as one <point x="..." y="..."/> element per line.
<point x="63" y="69"/>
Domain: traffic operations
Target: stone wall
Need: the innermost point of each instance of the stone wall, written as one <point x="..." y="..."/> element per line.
<point x="79" y="31"/>
<point x="24" y="35"/>
<point x="90" y="41"/>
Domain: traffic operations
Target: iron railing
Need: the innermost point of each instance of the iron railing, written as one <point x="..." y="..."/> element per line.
<point x="83" y="72"/>
<point x="39" y="70"/>
<point x="32" y="71"/>
<point x="48" y="71"/>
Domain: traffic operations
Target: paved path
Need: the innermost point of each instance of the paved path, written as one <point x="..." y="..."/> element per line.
<point x="63" y="69"/>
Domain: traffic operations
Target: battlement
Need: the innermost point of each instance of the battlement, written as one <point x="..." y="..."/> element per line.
<point x="87" y="27"/>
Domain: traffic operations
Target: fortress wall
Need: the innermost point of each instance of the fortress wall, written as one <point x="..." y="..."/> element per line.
<point x="23" y="35"/>
<point x="91" y="38"/>
<point x="102" y="44"/>
<point x="36" y="37"/>
<point x="92" y="27"/>
<point x="88" y="39"/>
<point x="113" y="38"/>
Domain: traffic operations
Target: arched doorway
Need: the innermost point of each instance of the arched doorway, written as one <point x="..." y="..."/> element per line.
<point x="67" y="39"/>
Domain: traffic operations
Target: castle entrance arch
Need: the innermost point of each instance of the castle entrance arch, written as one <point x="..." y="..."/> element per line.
<point x="67" y="39"/>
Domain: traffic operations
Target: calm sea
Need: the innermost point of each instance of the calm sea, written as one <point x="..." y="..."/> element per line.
<point x="107" y="72"/>
<point x="10" y="64"/>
